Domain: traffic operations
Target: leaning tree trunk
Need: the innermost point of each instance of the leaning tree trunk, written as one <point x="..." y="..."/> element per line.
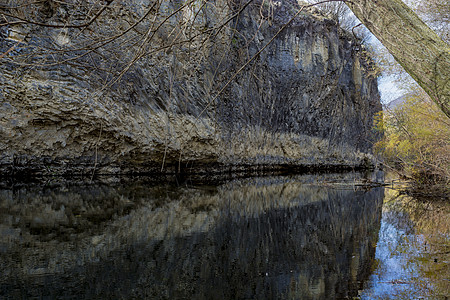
<point x="413" y="44"/>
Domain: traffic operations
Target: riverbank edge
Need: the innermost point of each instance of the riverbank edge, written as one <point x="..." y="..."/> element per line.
<point x="194" y="170"/>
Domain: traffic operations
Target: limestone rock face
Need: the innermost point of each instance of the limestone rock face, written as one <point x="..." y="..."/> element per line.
<point x="146" y="87"/>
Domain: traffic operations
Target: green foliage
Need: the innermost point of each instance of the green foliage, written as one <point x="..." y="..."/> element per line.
<point x="416" y="139"/>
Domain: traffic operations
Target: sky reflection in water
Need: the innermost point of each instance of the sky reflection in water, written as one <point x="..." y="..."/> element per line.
<point x="413" y="251"/>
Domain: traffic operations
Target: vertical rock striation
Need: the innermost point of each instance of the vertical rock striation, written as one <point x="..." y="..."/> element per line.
<point x="150" y="95"/>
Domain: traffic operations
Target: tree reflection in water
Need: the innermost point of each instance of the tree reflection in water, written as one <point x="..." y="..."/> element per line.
<point x="413" y="252"/>
<point x="259" y="238"/>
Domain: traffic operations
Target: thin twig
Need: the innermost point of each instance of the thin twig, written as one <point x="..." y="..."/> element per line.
<point x="9" y="50"/>
<point x="108" y="2"/>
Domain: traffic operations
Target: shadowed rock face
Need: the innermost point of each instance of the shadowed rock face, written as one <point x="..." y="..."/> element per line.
<point x="258" y="238"/>
<point x="307" y="100"/>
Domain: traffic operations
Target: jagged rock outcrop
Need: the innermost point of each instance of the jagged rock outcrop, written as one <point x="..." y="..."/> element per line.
<point x="138" y="89"/>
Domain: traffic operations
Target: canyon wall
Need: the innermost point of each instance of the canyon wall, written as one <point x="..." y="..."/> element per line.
<point x="150" y="86"/>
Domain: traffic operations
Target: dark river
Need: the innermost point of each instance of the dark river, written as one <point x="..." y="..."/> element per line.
<point x="287" y="237"/>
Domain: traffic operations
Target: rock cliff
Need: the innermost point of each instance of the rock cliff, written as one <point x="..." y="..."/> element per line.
<point x="258" y="238"/>
<point x="150" y="86"/>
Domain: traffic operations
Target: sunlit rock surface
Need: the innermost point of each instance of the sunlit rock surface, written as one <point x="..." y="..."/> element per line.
<point x="260" y="238"/>
<point x="307" y="100"/>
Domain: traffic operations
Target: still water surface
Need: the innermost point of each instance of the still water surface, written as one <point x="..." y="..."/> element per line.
<point x="291" y="237"/>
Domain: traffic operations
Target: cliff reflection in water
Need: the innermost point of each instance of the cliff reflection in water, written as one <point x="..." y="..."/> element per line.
<point x="259" y="238"/>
